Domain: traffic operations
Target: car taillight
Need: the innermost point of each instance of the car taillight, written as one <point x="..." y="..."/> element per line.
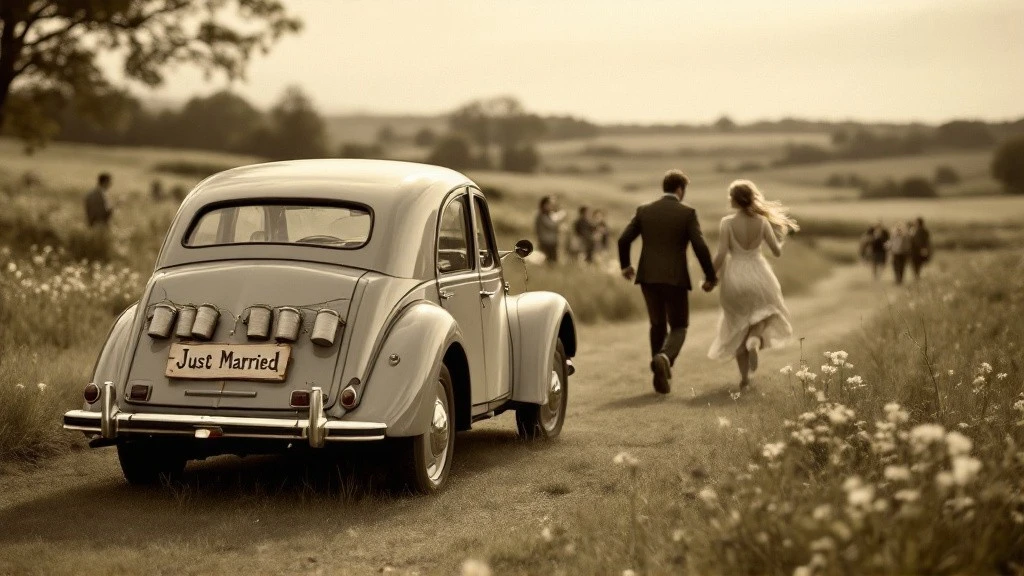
<point x="91" y="393"/>
<point x="300" y="399"/>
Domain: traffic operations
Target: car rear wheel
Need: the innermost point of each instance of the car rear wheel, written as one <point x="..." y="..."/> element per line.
<point x="426" y="460"/>
<point x="542" y="422"/>
<point x="147" y="463"/>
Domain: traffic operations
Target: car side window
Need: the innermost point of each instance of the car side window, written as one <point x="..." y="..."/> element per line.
<point x="484" y="237"/>
<point x="453" y="238"/>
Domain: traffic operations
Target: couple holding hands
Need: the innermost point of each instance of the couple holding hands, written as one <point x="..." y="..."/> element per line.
<point x="753" y="315"/>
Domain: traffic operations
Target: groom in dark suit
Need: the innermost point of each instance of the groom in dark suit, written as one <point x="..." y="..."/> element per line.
<point x="667" y="227"/>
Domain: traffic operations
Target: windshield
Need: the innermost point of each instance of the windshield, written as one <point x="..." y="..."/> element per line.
<point x="332" y="226"/>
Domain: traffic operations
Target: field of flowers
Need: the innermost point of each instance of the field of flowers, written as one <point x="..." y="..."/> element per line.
<point x="903" y="455"/>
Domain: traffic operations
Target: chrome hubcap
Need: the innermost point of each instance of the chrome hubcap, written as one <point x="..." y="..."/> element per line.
<point x="549" y="413"/>
<point x="437" y="438"/>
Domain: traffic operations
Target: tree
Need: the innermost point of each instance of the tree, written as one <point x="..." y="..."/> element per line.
<point x="48" y="48"/>
<point x="725" y="124"/>
<point x="297" y="130"/>
<point x="946" y="175"/>
<point x="221" y="121"/>
<point x="1008" y="164"/>
<point x="452" y="151"/>
<point x="502" y="121"/>
<point x="424" y="138"/>
<point x="917" y="187"/>
<point x="386" y="135"/>
<point x="964" y="134"/>
<point x="522" y="159"/>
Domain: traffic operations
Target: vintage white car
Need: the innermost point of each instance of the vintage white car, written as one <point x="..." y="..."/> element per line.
<point x="318" y="301"/>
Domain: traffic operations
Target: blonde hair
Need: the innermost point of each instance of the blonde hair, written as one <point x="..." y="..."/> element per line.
<point x="746" y="195"/>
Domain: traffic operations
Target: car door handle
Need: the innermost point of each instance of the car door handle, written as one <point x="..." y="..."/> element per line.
<point x="446" y="294"/>
<point x="487" y="294"/>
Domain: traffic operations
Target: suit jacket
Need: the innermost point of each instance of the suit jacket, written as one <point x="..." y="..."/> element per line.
<point x="666" y="227"/>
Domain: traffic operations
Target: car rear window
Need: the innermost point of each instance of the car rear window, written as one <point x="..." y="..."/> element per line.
<point x="329" y="226"/>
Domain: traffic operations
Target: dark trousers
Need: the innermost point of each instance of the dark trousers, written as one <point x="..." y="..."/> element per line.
<point x="668" y="308"/>
<point x="550" y="252"/>
<point x="916" y="263"/>
<point x="899" y="266"/>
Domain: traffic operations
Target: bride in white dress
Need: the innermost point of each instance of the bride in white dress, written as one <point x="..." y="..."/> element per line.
<point x="754" y="315"/>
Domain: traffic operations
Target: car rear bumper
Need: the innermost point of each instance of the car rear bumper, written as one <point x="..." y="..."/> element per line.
<point x="315" y="429"/>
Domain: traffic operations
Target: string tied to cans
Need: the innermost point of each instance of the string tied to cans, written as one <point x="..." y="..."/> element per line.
<point x="199" y="322"/>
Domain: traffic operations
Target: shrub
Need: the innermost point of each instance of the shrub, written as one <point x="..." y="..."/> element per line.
<point x="453" y="151"/>
<point x="1008" y="164"/>
<point x="424" y="138"/>
<point x="523" y="159"/>
<point x="917" y="187"/>
<point x="946" y="175"/>
<point x="355" y="150"/>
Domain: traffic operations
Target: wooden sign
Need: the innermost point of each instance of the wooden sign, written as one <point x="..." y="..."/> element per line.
<point x="267" y="362"/>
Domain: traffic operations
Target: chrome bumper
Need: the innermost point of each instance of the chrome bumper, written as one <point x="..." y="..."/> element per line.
<point x="315" y="429"/>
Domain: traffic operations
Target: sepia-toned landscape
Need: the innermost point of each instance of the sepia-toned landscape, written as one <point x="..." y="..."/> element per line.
<point x="887" y="438"/>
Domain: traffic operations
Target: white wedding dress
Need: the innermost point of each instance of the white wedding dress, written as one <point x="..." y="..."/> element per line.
<point x="750" y="293"/>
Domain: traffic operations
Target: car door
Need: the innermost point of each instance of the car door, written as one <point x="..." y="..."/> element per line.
<point x="458" y="284"/>
<point x="494" y="314"/>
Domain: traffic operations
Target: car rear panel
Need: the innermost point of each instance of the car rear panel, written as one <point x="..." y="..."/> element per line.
<point x="233" y="288"/>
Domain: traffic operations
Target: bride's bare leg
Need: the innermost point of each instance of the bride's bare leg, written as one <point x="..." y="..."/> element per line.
<point x="752" y="344"/>
<point x="743" y="363"/>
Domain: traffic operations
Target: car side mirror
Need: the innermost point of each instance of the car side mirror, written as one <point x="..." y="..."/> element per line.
<point x="524" y="248"/>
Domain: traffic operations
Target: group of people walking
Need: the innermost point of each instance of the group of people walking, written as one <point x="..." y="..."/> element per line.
<point x="907" y="243"/>
<point x="588" y="236"/>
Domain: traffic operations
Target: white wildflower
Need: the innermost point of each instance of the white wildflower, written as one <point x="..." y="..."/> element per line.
<point x="944" y="479"/>
<point x="965" y="469"/>
<point x="629" y="572"/>
<point x="820" y="396"/>
<point x="625" y="459"/>
<point x="1001" y="376"/>
<point x="848" y="366"/>
<point x="826" y="369"/>
<point x="474" y="567"/>
<point x="855" y="380"/>
<point x="803" y="571"/>
<point x="735" y="395"/>
<point x="924" y="435"/>
<point x="804" y="375"/>
<point x="861" y="497"/>
<point x="825" y="544"/>
<point x="773" y="450"/>
<point x="723" y="422"/>
<point x="979" y="381"/>
<point x="41" y="386"/>
<point x="12" y="267"/>
<point x="709" y="496"/>
<point x="822" y="513"/>
<point x="546" y="534"/>
<point x="786" y="370"/>
<point x="839" y="414"/>
<point x="895" y="413"/>
<point x="907" y="495"/>
<point x="19" y="386"/>
<point x="852" y="483"/>
<point x="986" y="368"/>
<point x="950" y="372"/>
<point x="678" y="534"/>
<point x="897" y="473"/>
<point x="957" y="444"/>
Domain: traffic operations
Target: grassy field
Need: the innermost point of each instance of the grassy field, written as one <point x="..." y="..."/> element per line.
<point x="61" y="285"/>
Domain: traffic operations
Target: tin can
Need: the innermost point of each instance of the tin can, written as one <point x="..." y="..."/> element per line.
<point x="288" y="320"/>
<point x="186" y="318"/>
<point x="206" y="322"/>
<point x="259" y="322"/>
<point x="325" y="327"/>
<point x="162" y="320"/>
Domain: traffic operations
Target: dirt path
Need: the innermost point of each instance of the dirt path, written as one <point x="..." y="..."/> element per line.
<point x="76" y="515"/>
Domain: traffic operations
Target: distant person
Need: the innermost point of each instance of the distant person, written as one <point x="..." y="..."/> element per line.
<point x="899" y="246"/>
<point x="97" y="206"/>
<point x="878" y="246"/>
<point x="754" y="315"/>
<point x="666" y="227"/>
<point x="920" y="247"/>
<point x="546" y="226"/>
<point x="156" y="190"/>
<point x="583" y="235"/>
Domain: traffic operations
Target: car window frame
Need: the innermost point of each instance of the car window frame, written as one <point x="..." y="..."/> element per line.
<point x="492" y="242"/>
<point x="223" y="230"/>
<point x="455" y="196"/>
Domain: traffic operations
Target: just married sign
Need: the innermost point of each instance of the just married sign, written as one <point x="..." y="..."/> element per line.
<point x="228" y="361"/>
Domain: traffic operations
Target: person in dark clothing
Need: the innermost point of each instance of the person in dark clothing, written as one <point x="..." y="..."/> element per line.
<point x="583" y="235"/>
<point x="899" y="247"/>
<point x="667" y="227"/>
<point x="546" y="226"/>
<point x="920" y="247"/>
<point x="879" y="245"/>
<point x="97" y="208"/>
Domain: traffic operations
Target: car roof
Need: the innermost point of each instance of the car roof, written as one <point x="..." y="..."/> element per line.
<point x="403" y="196"/>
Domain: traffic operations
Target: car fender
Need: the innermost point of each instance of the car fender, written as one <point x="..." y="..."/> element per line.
<point x="116" y="348"/>
<point x="398" y="390"/>
<point x="537" y="320"/>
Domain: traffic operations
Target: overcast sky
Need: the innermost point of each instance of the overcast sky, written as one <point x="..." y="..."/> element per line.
<point x="651" y="60"/>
